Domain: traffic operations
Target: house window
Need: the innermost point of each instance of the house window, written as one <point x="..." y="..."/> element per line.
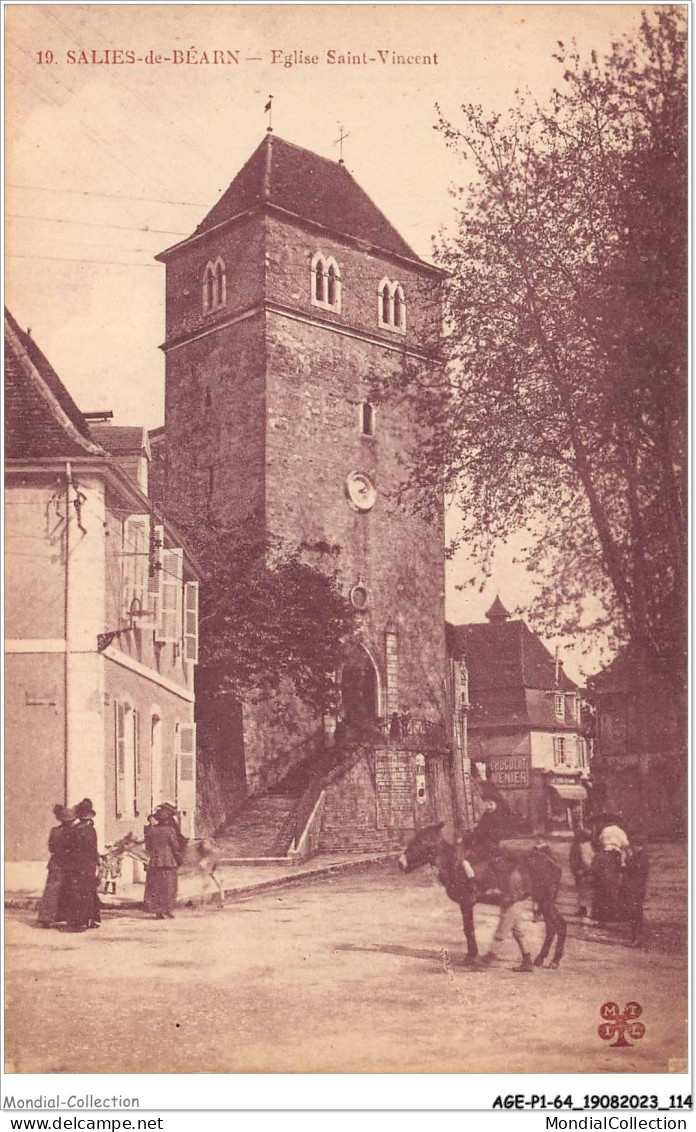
<point x="135" y="562"/>
<point x="391" y="305"/>
<point x="214" y="285"/>
<point x="559" y="705"/>
<point x="559" y="750"/>
<point x="367" y="419"/>
<point x="582" y="753"/>
<point x="325" y="283"/>
<point x="128" y="766"/>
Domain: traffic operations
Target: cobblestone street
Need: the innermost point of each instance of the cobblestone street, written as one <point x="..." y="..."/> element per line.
<point x="359" y="972"/>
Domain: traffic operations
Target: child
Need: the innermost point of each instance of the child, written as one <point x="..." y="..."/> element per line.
<point x="110" y="865"/>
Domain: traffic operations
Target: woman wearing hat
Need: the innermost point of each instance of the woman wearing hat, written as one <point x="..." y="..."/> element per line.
<point x="49" y="911"/>
<point x="78" y="859"/>
<point x="85" y="814"/>
<point x="163" y="844"/>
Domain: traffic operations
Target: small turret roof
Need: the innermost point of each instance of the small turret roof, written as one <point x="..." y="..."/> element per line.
<point x="497" y="612"/>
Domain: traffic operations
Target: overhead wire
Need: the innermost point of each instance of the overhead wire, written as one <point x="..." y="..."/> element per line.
<point x="95" y="224"/>
<point x="108" y="196"/>
<point x="71" y="259"/>
<point x="150" y="106"/>
<point x="99" y="141"/>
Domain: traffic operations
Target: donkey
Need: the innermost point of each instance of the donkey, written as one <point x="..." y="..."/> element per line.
<point x="506" y="874"/>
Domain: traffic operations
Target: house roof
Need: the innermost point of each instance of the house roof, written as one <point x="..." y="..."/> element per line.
<point x="283" y="175"/>
<point x="507" y="654"/>
<point x="121" y="440"/>
<point x="41" y="418"/>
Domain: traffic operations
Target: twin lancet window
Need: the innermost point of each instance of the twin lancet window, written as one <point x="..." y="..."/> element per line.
<point x="325" y="283"/>
<point x="214" y="285"/>
<point x="391" y="305"/>
<point x="325" y="290"/>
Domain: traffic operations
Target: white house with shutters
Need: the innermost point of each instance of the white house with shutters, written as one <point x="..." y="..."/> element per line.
<point x="101" y="624"/>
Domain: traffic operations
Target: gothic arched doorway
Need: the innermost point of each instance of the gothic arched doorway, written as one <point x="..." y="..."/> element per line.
<point x="359" y="689"/>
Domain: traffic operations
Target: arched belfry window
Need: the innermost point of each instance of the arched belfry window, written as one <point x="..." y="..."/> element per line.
<point x="399" y="307"/>
<point x="325" y="282"/>
<point x="391" y="305"/>
<point x="208" y="288"/>
<point x="214" y="285"/>
<point x="319" y="281"/>
<point x="386" y="304"/>
<point x="367" y="419"/>
<point x="331" y="286"/>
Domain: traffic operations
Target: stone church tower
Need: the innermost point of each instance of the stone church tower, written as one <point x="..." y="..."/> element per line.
<point x="292" y="295"/>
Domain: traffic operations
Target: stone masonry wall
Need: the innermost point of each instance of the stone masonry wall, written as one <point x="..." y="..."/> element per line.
<point x="315" y="383"/>
<point x="373" y="805"/>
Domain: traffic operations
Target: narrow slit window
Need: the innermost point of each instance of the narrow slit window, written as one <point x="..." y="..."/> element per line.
<point x="319" y="282"/>
<point x="367" y="419"/>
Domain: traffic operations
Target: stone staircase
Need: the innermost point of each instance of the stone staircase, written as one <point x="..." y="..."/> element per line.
<point x="254" y="832"/>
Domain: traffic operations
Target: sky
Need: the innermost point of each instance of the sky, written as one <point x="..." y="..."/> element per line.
<point x="109" y="162"/>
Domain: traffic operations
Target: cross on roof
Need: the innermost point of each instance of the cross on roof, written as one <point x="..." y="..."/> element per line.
<point x="339" y="141"/>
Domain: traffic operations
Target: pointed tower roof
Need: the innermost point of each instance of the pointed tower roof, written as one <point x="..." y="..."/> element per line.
<point x="293" y="180"/>
<point x="497" y="612"/>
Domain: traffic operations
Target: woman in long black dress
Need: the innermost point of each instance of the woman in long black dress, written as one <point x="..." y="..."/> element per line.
<point x="78" y="858"/>
<point x="49" y="911"/>
<point x="163" y="844"/>
<point x="85" y="814"/>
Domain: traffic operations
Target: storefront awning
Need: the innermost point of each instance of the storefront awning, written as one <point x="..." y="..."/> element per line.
<point x="570" y="793"/>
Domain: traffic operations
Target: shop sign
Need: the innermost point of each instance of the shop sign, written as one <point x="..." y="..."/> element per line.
<point x="510" y="771"/>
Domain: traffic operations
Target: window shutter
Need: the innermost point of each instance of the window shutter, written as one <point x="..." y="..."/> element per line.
<point x="191" y="622"/>
<point x="137" y="761"/>
<point x="154" y="567"/>
<point x="120" y="757"/>
<point x="136" y="557"/>
<point x="187" y="755"/>
<point x="170" y="596"/>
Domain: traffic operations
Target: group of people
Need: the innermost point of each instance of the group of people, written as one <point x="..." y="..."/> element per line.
<point x="610" y="872"/>
<point x="70" y="896"/>
<point x="611" y="875"/>
<point x="70" y="900"/>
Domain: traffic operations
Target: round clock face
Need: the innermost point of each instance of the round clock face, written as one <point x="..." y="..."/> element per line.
<point x="358" y="596"/>
<point x="360" y="491"/>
